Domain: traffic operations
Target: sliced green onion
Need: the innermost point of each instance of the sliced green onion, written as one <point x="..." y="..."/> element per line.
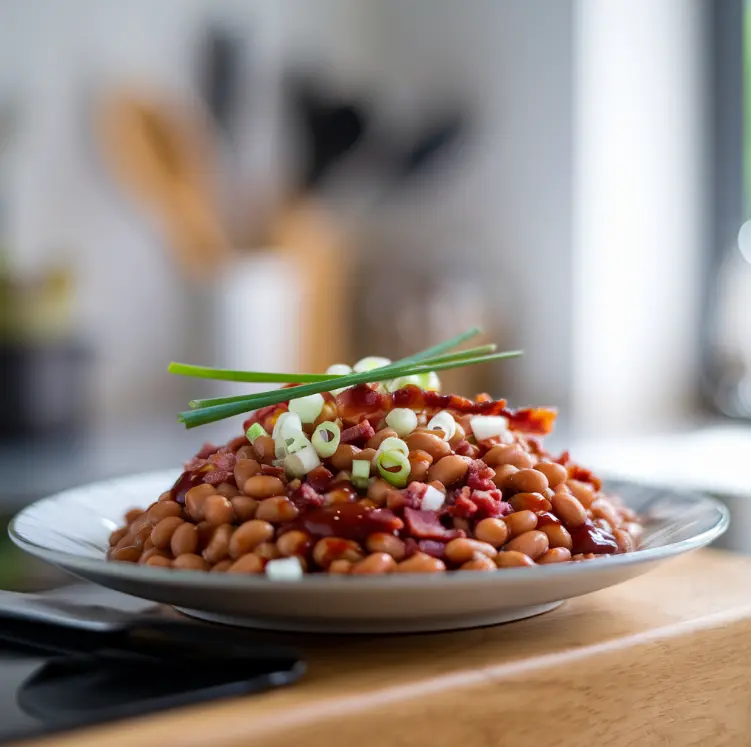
<point x="295" y="441"/>
<point x="308" y="408"/>
<point x="370" y="363"/>
<point x="402" y="420"/>
<point x="430" y="382"/>
<point x="401" y="382"/>
<point x="302" y="462"/>
<point x="360" y="473"/>
<point x="489" y="426"/>
<point x="255" y="431"/>
<point x="326" y="448"/>
<point x="295" y="424"/>
<point x="432" y="500"/>
<point x="339" y="369"/>
<point x="443" y="421"/>
<point x="394" y="444"/>
<point x="387" y="461"/>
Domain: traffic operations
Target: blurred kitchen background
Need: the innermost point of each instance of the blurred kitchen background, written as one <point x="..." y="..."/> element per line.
<point x="283" y="185"/>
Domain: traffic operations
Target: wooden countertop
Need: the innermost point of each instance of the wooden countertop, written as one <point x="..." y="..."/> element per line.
<point x="662" y="659"/>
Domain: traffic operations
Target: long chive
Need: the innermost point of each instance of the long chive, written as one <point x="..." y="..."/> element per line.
<point x="442" y="347"/>
<point x="194" y="418"/>
<point x="258" y="377"/>
<point x="394" y="368"/>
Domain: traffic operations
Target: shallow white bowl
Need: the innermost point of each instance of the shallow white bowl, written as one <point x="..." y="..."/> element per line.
<point x="71" y="530"/>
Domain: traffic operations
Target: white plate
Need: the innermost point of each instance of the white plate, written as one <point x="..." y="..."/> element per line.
<point x="71" y="530"/>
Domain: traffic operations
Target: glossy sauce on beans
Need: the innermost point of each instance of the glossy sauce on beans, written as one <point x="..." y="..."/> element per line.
<point x="348" y="520"/>
<point x="589" y="538"/>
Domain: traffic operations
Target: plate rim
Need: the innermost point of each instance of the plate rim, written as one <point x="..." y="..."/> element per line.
<point x="325" y="582"/>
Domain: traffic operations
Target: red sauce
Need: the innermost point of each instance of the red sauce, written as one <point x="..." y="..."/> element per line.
<point x="360" y="401"/>
<point x="589" y="538"/>
<point x="184" y="483"/>
<point x="545" y="518"/>
<point x="346" y="520"/>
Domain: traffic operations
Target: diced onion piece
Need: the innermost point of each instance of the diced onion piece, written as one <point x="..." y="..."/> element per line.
<point x="326" y="448"/>
<point x="443" y="421"/>
<point x="429" y="381"/>
<point x="360" y="473"/>
<point x="284" y="569"/>
<point x="386" y="461"/>
<point x="255" y="431"/>
<point x="402" y="420"/>
<point x="489" y="426"/>
<point x="432" y="500"/>
<point x="369" y="363"/>
<point x="394" y="444"/>
<point x="288" y="420"/>
<point x="302" y="462"/>
<point x="403" y="381"/>
<point x="308" y="408"/>
<point x="339" y="369"/>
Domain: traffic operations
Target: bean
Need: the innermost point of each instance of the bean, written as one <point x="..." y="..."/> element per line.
<point x="502" y="472"/>
<point x="294" y="542"/>
<point x="583" y="556"/>
<point x="161" y="534"/>
<point x="341" y="459"/>
<point x="218" y="510"/>
<point x="420" y="562"/>
<point x="530" y="501"/>
<point x="520" y="522"/>
<point x="367" y="455"/>
<point x="184" y="540"/>
<point x="439" y="486"/>
<point x="419" y="465"/>
<point x="166" y="496"/>
<point x="329" y="549"/>
<point x="222" y="566"/>
<point x="603" y="509"/>
<point x="526" y="481"/>
<point x="148" y="544"/>
<point x="263" y="447"/>
<point x="244" y="507"/>
<point x="628" y="514"/>
<point x="245" y="452"/>
<point x="479" y="563"/>
<point x="340" y="567"/>
<point x="267" y="551"/>
<point x="277" y="510"/>
<point x="569" y="510"/>
<point x="378" y="491"/>
<point x="380" y="542"/>
<point x="459" y="435"/>
<point x="513" y="559"/>
<point x="533" y="543"/>
<point x="205" y="533"/>
<point x="460" y="522"/>
<point x="129" y="554"/>
<point x="218" y="546"/>
<point x="378" y="438"/>
<point x="377" y="562"/>
<point x="190" y="562"/>
<point x="159" y="561"/>
<point x="139" y="523"/>
<point x="117" y="535"/>
<point x="603" y="524"/>
<point x="434" y="445"/>
<point x="248" y="536"/>
<point x="582" y="491"/>
<point x="463" y="550"/>
<point x="554" y="555"/>
<point x="133" y="514"/>
<point x="329" y="412"/>
<point x="508" y="454"/>
<point x="493" y="531"/>
<point x="263" y="486"/>
<point x="449" y="470"/>
<point x="249" y="563"/>
<point x="227" y="490"/>
<point x="624" y="540"/>
<point x="164" y="509"/>
<point x="194" y="500"/>
<point x="558" y="536"/>
<point x="635" y="529"/>
<point x="150" y="553"/>
<point x="556" y="474"/>
<point x="245" y="469"/>
<point x="343" y="493"/>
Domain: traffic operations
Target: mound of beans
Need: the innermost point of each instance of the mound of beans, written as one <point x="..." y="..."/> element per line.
<point x="507" y="503"/>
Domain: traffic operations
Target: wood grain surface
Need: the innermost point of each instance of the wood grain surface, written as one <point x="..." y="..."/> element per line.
<point x="664" y="659"/>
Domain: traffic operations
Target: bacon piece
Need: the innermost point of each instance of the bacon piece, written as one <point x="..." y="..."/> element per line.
<point x="362" y="431"/>
<point x="396" y="500"/>
<point x="489" y="503"/>
<point x="215" y="476"/>
<point x="261" y="414"/>
<point x="306" y="496"/>
<point x="480" y="476"/>
<point x="237" y="443"/>
<point x="411" y="546"/>
<point x="463" y="448"/>
<point x="563" y="459"/>
<point x="432" y="547"/>
<point x="206" y="451"/>
<point x="463" y="507"/>
<point x="426" y="525"/>
<point x="270" y="469"/>
<point x="576" y="472"/>
<point x="319" y="478"/>
<point x="358" y="402"/>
